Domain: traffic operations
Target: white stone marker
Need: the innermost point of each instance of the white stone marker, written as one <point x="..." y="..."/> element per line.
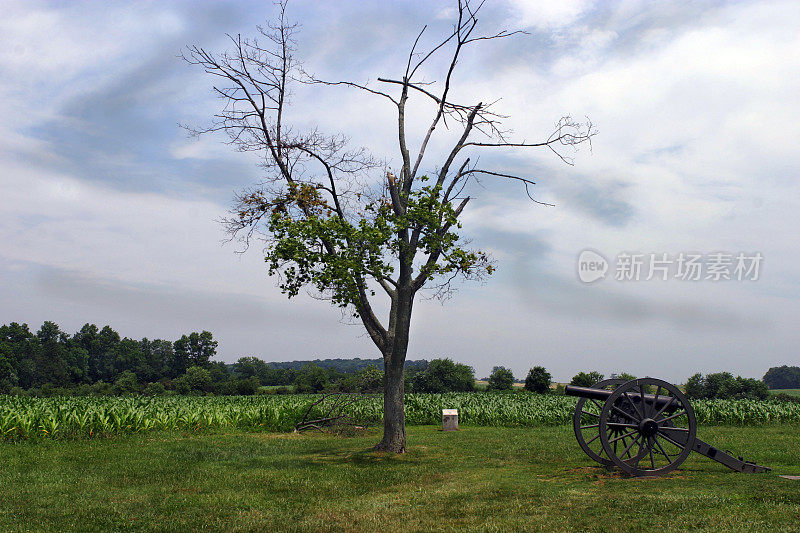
<point x="449" y="419"/>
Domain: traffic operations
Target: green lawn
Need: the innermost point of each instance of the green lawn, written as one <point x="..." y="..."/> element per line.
<point x="487" y="479"/>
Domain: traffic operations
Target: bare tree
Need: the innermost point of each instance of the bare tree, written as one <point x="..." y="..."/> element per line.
<point x="340" y="222"/>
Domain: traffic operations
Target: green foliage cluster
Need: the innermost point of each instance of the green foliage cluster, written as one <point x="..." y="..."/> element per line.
<point x="312" y="244"/>
<point x="501" y="378"/>
<point x="538" y="380"/>
<point x="443" y="375"/>
<point x="347" y="366"/>
<point x="782" y="377"/>
<point x="310" y="377"/>
<point x="723" y="385"/>
<point x="586" y="379"/>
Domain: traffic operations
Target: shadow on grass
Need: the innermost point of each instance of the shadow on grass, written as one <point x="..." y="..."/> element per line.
<point x="363" y="457"/>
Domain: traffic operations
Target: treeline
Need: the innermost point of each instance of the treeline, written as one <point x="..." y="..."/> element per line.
<point x="51" y="358"/>
<point x="347" y="366"/>
<point x="98" y="360"/>
<point x="719" y="385"/>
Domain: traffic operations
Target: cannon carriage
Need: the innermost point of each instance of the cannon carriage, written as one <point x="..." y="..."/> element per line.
<point x="645" y="427"/>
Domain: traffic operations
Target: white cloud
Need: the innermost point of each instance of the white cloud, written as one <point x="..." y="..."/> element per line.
<point x="61" y="222"/>
<point x="548" y="14"/>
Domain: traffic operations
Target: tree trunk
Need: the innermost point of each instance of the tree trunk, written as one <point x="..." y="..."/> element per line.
<point x="394" y="362"/>
<point x="394" y="417"/>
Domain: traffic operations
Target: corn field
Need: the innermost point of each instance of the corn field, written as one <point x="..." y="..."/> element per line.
<point x="23" y="418"/>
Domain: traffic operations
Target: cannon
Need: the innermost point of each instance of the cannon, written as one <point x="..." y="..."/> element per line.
<point x="645" y="427"/>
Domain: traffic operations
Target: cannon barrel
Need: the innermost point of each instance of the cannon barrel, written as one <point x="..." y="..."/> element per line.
<point x="602" y="395"/>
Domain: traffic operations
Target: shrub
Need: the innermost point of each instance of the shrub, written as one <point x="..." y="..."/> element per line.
<point x="102" y="388"/>
<point x="723" y="385"/>
<point x="368" y="379"/>
<point x="154" y="389"/>
<point x="311" y="378"/>
<point x="195" y="379"/>
<point x="586" y="379"/>
<point x="501" y="379"/>
<point x="538" y="380"/>
<point x="444" y="375"/>
<point x="84" y="389"/>
<point x="126" y="383"/>
<point x="247" y="386"/>
<point x="226" y="388"/>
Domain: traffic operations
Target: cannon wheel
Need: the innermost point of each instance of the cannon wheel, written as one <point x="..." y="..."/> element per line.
<point x="664" y="435"/>
<point x="586" y="423"/>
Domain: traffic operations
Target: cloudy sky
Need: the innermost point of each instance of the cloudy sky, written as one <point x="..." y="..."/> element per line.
<point x="108" y="210"/>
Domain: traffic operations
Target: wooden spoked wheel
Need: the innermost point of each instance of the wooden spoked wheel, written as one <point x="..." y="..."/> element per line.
<point x="647" y="427"/>
<point x="586" y="423"/>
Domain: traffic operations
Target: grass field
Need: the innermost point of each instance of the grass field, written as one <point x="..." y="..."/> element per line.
<point x="790" y="392"/>
<point x="483" y="479"/>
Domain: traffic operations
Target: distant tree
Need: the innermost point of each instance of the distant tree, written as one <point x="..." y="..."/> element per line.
<point x="311" y="378"/>
<point x="715" y="382"/>
<point x="247" y="386"/>
<point x="21" y="343"/>
<point x="279" y="376"/>
<point x="538" y="380"/>
<point x="180" y="357"/>
<point x="723" y="385"/>
<point x="109" y="339"/>
<point x="783" y="377"/>
<point x="369" y="379"/>
<point x="695" y="387"/>
<point x="196" y="379"/>
<point x="501" y="378"/>
<point x="157" y="353"/>
<point x="50" y="358"/>
<point x="202" y="348"/>
<point x="743" y="389"/>
<point x="154" y="389"/>
<point x="77" y="359"/>
<point x="625" y="376"/>
<point x="246" y="367"/>
<point x="195" y="349"/>
<point x="586" y="379"/>
<point x="219" y="371"/>
<point x="8" y="363"/>
<point x="128" y="356"/>
<point x="126" y="383"/>
<point x="444" y="375"/>
<point x="89" y="339"/>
